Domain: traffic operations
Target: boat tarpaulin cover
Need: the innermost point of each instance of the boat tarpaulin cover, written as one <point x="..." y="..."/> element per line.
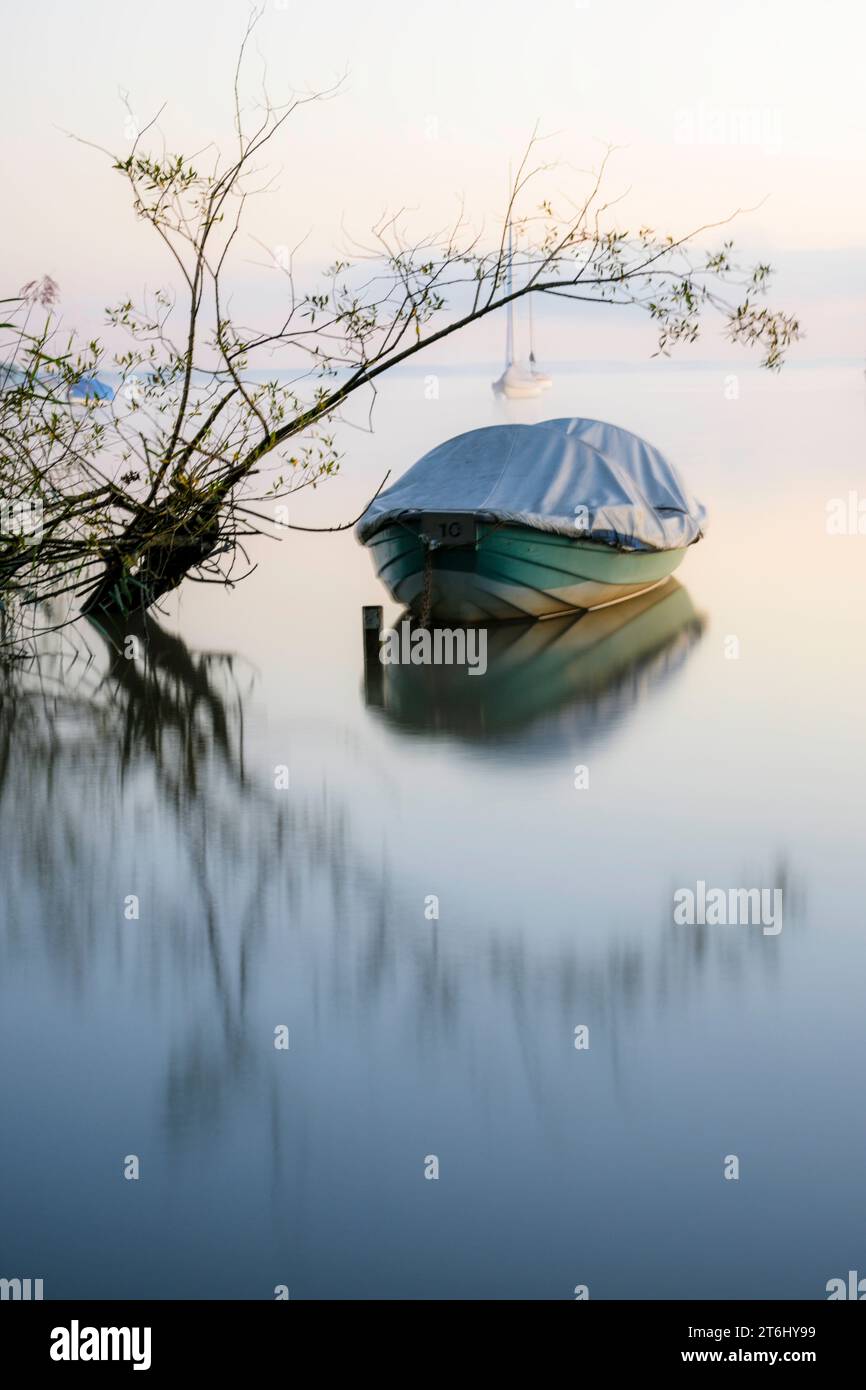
<point x="578" y="478"/>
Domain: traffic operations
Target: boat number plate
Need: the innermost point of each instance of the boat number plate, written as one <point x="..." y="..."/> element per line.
<point x="448" y="528"/>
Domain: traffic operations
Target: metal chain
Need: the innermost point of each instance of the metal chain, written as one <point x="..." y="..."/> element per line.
<point x="427" y="591"/>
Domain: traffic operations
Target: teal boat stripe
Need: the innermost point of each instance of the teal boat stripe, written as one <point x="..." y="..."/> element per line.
<point x="518" y="560"/>
<point x="402" y="555"/>
<point x="512" y="583"/>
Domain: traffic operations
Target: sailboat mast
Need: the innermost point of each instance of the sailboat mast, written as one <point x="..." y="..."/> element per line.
<point x="531" y="334"/>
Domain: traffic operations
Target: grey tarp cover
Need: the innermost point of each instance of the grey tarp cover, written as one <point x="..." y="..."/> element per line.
<point x="541" y="476"/>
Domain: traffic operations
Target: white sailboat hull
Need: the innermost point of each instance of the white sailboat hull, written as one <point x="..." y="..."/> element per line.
<point x="516" y="384"/>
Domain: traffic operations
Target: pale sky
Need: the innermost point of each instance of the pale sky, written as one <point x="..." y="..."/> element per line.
<point x="716" y="107"/>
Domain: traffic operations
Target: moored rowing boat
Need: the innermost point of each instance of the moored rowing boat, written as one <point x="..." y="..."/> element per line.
<point x="526" y="521"/>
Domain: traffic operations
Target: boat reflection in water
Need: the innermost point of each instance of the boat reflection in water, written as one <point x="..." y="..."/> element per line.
<point x="586" y="670"/>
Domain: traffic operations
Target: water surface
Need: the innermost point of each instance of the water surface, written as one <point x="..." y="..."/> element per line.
<point x="409" y="1037"/>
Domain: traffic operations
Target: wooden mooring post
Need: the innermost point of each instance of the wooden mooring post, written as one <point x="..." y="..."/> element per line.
<point x="371" y="623"/>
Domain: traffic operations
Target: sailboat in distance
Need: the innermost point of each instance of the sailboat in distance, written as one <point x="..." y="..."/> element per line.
<point x="517" y="382"/>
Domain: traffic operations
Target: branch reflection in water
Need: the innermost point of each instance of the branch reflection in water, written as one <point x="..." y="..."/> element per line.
<point x="122" y="775"/>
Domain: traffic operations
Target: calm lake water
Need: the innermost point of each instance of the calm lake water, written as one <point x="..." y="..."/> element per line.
<point x="455" y="1037"/>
